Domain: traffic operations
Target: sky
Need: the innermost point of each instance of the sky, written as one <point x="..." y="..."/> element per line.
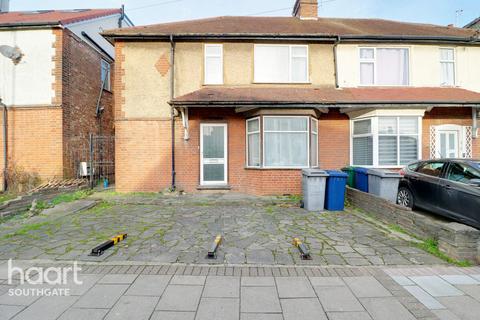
<point x="142" y="12"/>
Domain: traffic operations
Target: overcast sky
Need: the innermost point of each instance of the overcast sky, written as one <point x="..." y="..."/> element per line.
<point x="142" y="12"/>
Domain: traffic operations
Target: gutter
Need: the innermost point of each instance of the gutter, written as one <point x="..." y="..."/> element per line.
<point x="286" y="37"/>
<point x="172" y="109"/>
<point x="96" y="45"/>
<point x="335" y="61"/>
<point x="5" y="144"/>
<point x="327" y="103"/>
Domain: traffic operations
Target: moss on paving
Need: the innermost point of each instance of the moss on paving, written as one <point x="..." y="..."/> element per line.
<point x="70" y="197"/>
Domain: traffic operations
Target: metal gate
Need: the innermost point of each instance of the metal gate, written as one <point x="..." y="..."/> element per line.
<point x="92" y="158"/>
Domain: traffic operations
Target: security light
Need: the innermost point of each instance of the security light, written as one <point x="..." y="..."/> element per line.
<point x="12" y="53"/>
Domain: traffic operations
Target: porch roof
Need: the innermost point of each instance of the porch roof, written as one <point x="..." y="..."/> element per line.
<point x="328" y="96"/>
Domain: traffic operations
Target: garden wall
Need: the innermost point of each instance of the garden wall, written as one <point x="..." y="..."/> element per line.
<point x="457" y="240"/>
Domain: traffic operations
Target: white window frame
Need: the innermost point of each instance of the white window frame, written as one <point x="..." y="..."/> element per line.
<point x="454" y="61"/>
<point x="307" y="80"/>
<point x="308" y="142"/>
<point x="247" y="134"/>
<point x="105" y="65"/>
<point x="375" y="134"/>
<point x="205" y="77"/>
<point x="374" y="61"/>
<point x="315" y="165"/>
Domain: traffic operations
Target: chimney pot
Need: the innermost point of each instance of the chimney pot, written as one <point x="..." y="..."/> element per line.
<point x="306" y="9"/>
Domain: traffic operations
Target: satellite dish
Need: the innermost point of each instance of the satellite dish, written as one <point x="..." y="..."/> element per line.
<point x="12" y="53"/>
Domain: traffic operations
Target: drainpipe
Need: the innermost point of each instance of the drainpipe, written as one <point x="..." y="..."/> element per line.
<point x="335" y="64"/>
<point x="172" y="110"/>
<point x="475" y="114"/>
<point x="5" y="144"/>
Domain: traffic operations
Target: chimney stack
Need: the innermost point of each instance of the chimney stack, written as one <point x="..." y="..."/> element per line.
<point x="4" y="5"/>
<point x="306" y="9"/>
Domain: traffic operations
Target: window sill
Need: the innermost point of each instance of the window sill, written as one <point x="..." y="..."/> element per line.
<point x="107" y="90"/>
<point x="214" y="187"/>
<point x="284" y="83"/>
<point x="277" y="168"/>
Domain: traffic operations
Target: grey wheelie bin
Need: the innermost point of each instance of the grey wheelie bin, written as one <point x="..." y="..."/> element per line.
<point x="383" y="183"/>
<point x="313" y="187"/>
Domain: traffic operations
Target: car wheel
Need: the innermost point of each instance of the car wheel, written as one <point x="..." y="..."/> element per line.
<point x="405" y="197"/>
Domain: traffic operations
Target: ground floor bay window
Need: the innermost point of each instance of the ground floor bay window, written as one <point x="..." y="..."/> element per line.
<point x="386" y="141"/>
<point x="282" y="142"/>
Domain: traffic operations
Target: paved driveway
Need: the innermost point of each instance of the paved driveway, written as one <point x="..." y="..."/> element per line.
<point x="167" y="229"/>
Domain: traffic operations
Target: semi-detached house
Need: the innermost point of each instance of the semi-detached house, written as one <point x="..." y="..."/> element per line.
<point x="250" y="101"/>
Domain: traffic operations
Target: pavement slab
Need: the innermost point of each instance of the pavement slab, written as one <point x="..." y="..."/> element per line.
<point x="302" y="308"/>
<point x="180" y="298"/>
<point x="218" y="309"/>
<point x="132" y="307"/>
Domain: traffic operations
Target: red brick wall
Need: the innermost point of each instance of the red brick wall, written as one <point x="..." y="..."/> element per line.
<point x="34" y="140"/>
<point x="142" y="153"/>
<point x="334" y="140"/>
<point x="81" y="88"/>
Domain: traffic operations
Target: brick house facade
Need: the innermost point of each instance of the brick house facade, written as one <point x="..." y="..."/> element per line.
<point x="45" y="128"/>
<point x="214" y="76"/>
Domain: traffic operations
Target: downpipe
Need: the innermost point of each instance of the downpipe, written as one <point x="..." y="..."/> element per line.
<point x="475" y="116"/>
<point x="5" y="144"/>
<point x="172" y="109"/>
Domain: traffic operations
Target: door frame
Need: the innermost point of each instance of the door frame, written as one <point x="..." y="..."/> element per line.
<point x="447" y="129"/>
<point x="225" y="151"/>
<point x="447" y="132"/>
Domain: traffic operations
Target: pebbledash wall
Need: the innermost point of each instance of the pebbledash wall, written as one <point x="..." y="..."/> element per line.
<point x="142" y="119"/>
<point x="51" y="96"/>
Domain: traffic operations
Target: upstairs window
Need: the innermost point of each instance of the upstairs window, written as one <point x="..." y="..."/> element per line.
<point x="281" y="64"/>
<point x="447" y="65"/>
<point x="213" y="64"/>
<point x="105" y="75"/>
<point x="384" y="66"/>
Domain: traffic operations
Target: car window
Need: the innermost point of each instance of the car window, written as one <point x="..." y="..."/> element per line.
<point x="433" y="169"/>
<point x="460" y="172"/>
<point x="413" y="166"/>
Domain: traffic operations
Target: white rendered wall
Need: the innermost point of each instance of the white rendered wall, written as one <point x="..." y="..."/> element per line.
<point x="424" y="65"/>
<point x="30" y="81"/>
<point x="94" y="27"/>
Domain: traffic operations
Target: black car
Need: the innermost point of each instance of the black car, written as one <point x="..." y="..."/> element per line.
<point x="448" y="187"/>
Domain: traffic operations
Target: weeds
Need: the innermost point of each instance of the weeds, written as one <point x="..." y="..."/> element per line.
<point x="431" y="246"/>
<point x="70" y="197"/>
<point x="26" y="229"/>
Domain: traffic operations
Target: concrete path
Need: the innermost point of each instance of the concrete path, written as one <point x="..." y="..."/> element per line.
<point x="180" y="292"/>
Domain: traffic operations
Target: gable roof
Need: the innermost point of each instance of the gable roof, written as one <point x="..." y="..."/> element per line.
<point x="231" y="96"/>
<point x="472" y="23"/>
<point x="291" y="26"/>
<point x="52" y="17"/>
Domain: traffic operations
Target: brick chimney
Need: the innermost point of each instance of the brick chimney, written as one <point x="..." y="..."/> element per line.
<point x="306" y="9"/>
<point x="4" y="5"/>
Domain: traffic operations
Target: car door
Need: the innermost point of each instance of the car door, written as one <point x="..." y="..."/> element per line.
<point x="459" y="199"/>
<point x="425" y="184"/>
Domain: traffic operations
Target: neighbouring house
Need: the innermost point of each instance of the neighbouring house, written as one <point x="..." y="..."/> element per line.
<point x="250" y="101"/>
<point x="60" y="90"/>
<point x="475" y="24"/>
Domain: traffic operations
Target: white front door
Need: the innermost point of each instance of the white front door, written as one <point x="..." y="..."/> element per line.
<point x="213" y="153"/>
<point x="449" y="147"/>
